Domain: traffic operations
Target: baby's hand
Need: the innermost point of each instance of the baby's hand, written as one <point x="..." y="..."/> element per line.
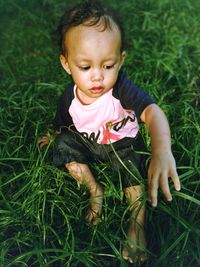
<point x="44" y="140"/>
<point x="162" y="166"/>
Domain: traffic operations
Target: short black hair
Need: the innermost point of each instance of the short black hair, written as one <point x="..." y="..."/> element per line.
<point x="88" y="13"/>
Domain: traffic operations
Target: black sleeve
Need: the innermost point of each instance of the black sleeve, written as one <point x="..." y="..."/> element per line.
<point x="130" y="96"/>
<point x="62" y="118"/>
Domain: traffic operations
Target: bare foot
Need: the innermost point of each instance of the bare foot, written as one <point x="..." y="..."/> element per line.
<point x="134" y="251"/>
<point x="96" y="200"/>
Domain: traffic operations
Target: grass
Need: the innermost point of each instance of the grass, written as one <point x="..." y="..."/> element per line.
<point x="41" y="209"/>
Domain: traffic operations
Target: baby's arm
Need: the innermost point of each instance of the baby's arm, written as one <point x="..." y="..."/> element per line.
<point x="162" y="165"/>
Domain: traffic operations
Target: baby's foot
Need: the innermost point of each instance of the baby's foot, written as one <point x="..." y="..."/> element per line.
<point x="96" y="200"/>
<point x="134" y="251"/>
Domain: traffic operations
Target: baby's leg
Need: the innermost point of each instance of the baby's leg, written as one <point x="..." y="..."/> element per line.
<point x="136" y="242"/>
<point x="83" y="175"/>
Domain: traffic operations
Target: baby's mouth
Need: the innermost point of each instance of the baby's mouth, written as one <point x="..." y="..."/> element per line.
<point x="96" y="90"/>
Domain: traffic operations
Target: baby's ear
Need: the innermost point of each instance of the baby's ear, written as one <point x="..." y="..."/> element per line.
<point x="122" y="58"/>
<point x="65" y="64"/>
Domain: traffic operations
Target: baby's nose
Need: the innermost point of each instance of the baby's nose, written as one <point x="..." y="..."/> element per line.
<point x="97" y="75"/>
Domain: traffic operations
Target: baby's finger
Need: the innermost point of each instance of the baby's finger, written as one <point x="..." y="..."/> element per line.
<point x="43" y="141"/>
<point x="164" y="185"/>
<point x="176" y="181"/>
<point x="42" y="144"/>
<point x="153" y="191"/>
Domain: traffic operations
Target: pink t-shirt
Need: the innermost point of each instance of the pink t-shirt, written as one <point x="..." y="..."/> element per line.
<point x="111" y="117"/>
<point x="105" y="119"/>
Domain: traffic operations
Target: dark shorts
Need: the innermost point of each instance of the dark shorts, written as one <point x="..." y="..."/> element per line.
<point x="126" y="157"/>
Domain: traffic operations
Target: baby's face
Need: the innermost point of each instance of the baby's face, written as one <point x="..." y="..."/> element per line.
<point x="93" y="58"/>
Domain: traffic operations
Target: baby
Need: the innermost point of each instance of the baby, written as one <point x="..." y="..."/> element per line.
<point x="98" y="118"/>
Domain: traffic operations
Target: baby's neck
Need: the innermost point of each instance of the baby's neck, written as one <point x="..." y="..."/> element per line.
<point x="84" y="99"/>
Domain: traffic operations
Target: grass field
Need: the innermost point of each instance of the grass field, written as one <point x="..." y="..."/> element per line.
<point x="41" y="209"/>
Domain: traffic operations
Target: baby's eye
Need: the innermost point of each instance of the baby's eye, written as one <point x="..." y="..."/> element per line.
<point x="84" y="68"/>
<point x="108" y="67"/>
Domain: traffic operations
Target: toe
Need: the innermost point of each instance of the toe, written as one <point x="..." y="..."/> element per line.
<point x="143" y="257"/>
<point x="126" y="256"/>
<point x="92" y="217"/>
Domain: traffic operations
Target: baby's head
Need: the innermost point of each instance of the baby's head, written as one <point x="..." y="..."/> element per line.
<point x="89" y="13"/>
<point x="91" y="42"/>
